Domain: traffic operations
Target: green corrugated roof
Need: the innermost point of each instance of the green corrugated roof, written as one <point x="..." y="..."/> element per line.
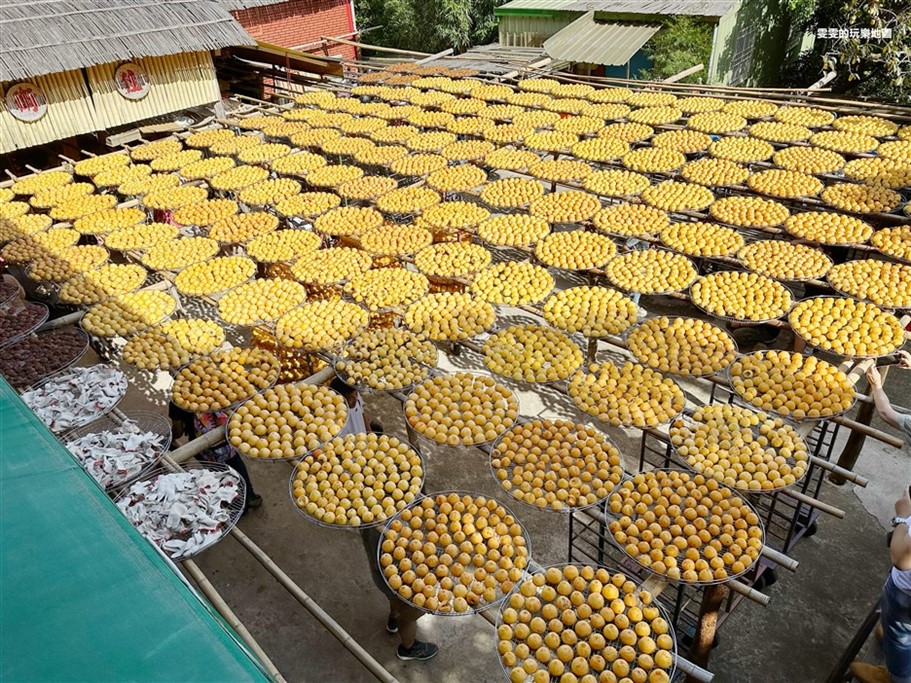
<point x="537" y="4"/>
<point x="84" y="596"/>
<point x="696" y="8"/>
<point x="589" y="42"/>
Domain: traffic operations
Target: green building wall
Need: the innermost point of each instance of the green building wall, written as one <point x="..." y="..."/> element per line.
<point x="770" y="19"/>
<point x="532" y="29"/>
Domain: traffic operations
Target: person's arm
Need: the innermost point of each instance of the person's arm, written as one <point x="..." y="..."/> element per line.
<point x="900" y="548"/>
<point x="883" y="406"/>
<point x="364" y="412"/>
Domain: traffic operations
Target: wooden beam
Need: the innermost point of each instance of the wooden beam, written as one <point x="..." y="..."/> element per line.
<point x="334" y="39"/>
<point x="378" y="48"/>
<point x="822" y="81"/>
<point x="162" y="128"/>
<point x="683" y="74"/>
<point x="126" y="136"/>
<point x="444" y="53"/>
<point x="534" y="65"/>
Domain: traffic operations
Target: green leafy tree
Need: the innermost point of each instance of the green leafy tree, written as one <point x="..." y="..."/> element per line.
<point x="870" y="67"/>
<point x="681" y="43"/>
<point x="429" y="25"/>
<point x="485" y="27"/>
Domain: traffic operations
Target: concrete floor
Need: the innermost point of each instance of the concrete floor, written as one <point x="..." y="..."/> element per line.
<point x="798" y="637"/>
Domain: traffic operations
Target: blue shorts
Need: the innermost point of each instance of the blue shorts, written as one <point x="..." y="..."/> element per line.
<point x="896" y="619"/>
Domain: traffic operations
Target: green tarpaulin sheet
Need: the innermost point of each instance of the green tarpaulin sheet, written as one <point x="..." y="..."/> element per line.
<point x="83" y="597"/>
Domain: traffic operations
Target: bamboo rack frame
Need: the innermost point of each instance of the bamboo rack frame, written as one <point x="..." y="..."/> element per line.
<point x="798" y="96"/>
<point x="188" y="451"/>
<point x="266" y="107"/>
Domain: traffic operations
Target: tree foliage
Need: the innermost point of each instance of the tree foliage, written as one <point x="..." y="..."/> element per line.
<point x="429" y="25"/>
<point x="681" y="43"/>
<point x="870" y="67"/>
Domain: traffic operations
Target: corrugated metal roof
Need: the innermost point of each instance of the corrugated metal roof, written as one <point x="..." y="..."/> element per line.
<point x="495" y="59"/>
<point x="696" y="8"/>
<point x="590" y="42"/>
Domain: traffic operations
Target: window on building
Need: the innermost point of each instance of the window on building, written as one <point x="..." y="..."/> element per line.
<point x="743" y="53"/>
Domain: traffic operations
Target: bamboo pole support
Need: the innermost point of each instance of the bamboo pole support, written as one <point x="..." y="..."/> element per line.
<point x="861" y="426"/>
<point x="438" y="55"/>
<point x="655" y="584"/>
<point x="62" y="321"/>
<point x="76" y="316"/>
<point x="198" y="445"/>
<point x="213" y="596"/>
<point x="364" y="657"/>
<point x="818" y="504"/>
<point x="835" y="470"/>
<point x="779" y="558"/>
<point x="747" y="592"/>
<point x="534" y="65"/>
<point x="377" y="48"/>
<point x="13" y="177"/>
<point x="754" y="595"/>
<point x="693" y="671"/>
<point x="217" y="436"/>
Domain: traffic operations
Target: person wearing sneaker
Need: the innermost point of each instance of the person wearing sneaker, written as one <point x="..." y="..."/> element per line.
<point x="403" y="618"/>
<point x="895" y="605"/>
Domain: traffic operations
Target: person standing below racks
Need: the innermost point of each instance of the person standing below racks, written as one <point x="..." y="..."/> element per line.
<point x="403" y="617"/>
<point x="184" y="423"/>
<point x="356" y="423"/>
<point x="895" y="605"/>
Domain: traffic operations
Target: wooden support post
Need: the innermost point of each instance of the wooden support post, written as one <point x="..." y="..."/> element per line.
<point x="855" y="443"/>
<point x="704" y="637"/>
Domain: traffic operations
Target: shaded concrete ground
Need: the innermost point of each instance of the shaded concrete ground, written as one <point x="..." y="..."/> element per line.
<point x="798" y="637"/>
